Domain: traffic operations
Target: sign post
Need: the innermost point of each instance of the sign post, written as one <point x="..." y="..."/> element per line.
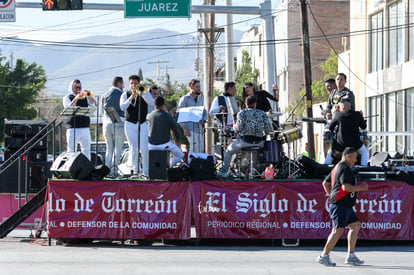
<point x="157" y="8"/>
<point x="7" y="10"/>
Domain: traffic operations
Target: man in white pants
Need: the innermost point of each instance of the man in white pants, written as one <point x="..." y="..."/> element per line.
<point x="160" y="123"/>
<point x="136" y="110"/>
<point x="346" y="125"/>
<point x="77" y="126"/>
<point x="113" y="131"/>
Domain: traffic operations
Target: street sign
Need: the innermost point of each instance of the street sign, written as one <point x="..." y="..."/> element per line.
<point x="7" y="10"/>
<point x="157" y="8"/>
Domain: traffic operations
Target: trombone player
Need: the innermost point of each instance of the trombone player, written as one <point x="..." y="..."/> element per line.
<point x="136" y="128"/>
<point x="77" y="126"/>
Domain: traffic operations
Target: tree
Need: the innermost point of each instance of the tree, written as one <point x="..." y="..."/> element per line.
<point x="319" y="94"/>
<point x="19" y="88"/>
<point x="245" y="73"/>
<point x="140" y="74"/>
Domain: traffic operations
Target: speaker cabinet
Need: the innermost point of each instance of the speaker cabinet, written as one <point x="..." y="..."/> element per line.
<point x="24" y="128"/>
<point x="73" y="165"/>
<point x="158" y="164"/>
<point x="37" y="175"/>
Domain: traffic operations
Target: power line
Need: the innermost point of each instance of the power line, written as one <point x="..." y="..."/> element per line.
<point x="350" y="70"/>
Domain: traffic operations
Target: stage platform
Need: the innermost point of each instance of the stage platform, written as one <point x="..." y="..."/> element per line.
<point x="280" y="209"/>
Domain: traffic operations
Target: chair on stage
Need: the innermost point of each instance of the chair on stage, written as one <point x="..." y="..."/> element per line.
<point x="252" y="150"/>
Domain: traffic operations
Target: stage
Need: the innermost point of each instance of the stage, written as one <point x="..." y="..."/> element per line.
<point x="281" y="209"/>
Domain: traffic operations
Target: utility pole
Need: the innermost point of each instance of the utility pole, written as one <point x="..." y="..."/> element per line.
<point x="158" y="69"/>
<point x="307" y="75"/>
<point x="211" y="34"/>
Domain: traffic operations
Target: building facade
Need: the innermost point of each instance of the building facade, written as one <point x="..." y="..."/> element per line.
<point x="381" y="69"/>
<point x="328" y="24"/>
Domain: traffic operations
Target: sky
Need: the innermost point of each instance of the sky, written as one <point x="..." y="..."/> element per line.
<point x="57" y="26"/>
<point x="65" y="25"/>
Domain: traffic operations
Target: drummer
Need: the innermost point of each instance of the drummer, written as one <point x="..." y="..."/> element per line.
<point x="262" y="101"/>
<point x="252" y="125"/>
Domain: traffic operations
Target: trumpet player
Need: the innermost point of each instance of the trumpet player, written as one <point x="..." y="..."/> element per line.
<point x="78" y="126"/>
<point x="136" y="128"/>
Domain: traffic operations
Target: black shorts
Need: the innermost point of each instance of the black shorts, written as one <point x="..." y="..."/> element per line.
<point x="342" y="215"/>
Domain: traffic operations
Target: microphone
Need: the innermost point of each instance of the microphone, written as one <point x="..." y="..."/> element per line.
<point x="314" y="119"/>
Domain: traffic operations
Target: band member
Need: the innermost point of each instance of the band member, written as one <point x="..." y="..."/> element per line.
<point x="136" y="128"/>
<point x="330" y="86"/>
<point x="113" y="130"/>
<point x="77" y="126"/>
<point x="261" y="95"/>
<point x="194" y="131"/>
<point x="346" y="124"/>
<point x="149" y="97"/>
<point x="161" y="124"/>
<point x="340" y="92"/>
<point x="226" y="104"/>
<point x="252" y="125"/>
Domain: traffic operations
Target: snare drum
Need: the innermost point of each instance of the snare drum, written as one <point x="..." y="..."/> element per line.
<point x="272" y="152"/>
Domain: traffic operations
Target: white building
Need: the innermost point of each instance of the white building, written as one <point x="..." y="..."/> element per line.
<point x="381" y="71"/>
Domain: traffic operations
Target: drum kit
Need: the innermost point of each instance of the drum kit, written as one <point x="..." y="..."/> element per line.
<point x="272" y="151"/>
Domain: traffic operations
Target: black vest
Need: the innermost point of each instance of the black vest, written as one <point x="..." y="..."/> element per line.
<point x="131" y="113"/>
<point x="78" y="121"/>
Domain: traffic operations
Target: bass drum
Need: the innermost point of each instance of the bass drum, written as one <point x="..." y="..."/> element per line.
<point x="272" y="152"/>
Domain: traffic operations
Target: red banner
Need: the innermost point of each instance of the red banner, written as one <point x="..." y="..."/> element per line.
<point x="221" y="209"/>
<point x="119" y="210"/>
<point x="297" y="209"/>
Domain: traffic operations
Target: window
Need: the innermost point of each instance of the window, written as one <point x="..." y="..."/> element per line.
<point x="375" y="40"/>
<point x="260" y="44"/>
<point x="374" y="121"/>
<point x="410" y="121"/>
<point x="390" y="121"/>
<point x="395" y="23"/>
<point x="411" y="29"/>
<point x="399" y="121"/>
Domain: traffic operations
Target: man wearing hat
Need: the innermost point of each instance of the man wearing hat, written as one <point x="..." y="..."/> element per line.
<point x="346" y="124"/>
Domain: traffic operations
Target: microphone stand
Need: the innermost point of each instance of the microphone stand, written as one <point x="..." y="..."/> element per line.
<point x="96" y="132"/>
<point x="292" y="113"/>
<point x="139" y="134"/>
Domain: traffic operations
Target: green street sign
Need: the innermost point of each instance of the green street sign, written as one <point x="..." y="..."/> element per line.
<point x="157" y="8"/>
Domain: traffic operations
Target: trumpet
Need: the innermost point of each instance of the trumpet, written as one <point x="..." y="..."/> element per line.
<point x="140" y="89"/>
<point x="87" y="93"/>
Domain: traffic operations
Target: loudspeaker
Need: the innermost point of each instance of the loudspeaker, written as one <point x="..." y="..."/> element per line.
<point x="202" y="169"/>
<point x="73" y="165"/>
<point x="16" y="142"/>
<point x="312" y="168"/>
<point x="33" y="155"/>
<point x="100" y="171"/>
<point x="37" y="175"/>
<point x="158" y="164"/>
<point x="379" y="159"/>
<point x="25" y="128"/>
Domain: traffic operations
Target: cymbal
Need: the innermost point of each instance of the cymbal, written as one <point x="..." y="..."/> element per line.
<point x="274" y="114"/>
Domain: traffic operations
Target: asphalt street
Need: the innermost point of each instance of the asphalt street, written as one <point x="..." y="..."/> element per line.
<point x="21" y="254"/>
